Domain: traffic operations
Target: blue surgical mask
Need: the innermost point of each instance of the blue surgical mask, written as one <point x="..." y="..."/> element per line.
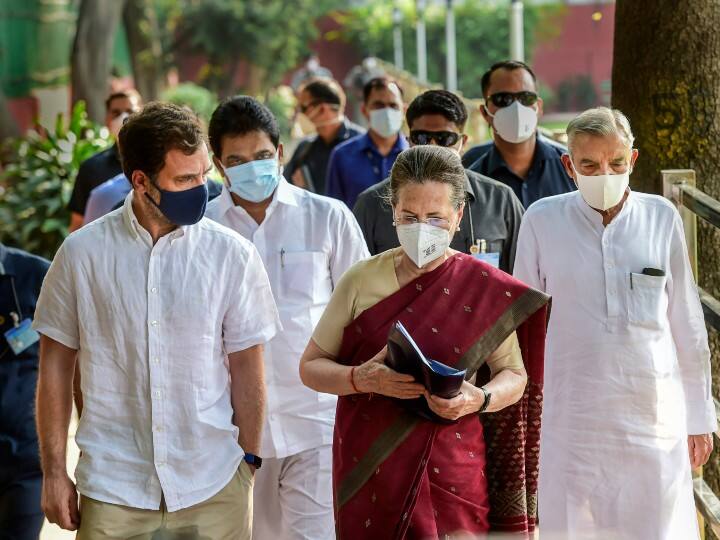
<point x="254" y="181"/>
<point x="182" y="207"/>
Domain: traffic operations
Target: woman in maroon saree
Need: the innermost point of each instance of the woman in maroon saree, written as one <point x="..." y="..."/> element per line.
<point x="397" y="475"/>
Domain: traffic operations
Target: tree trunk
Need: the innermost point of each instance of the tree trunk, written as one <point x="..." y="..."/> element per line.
<point x="665" y="78"/>
<point x="142" y="31"/>
<point x="92" y="53"/>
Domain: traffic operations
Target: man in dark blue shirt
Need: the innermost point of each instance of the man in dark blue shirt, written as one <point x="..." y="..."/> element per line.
<point x="518" y="157"/>
<point x="365" y="160"/>
<point x="21" y="276"/>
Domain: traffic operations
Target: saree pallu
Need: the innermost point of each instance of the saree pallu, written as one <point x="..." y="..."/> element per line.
<point x="396" y="475"/>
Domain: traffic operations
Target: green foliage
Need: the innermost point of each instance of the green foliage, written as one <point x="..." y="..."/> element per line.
<point x="199" y="99"/>
<point x="272" y="34"/>
<point x="482" y="34"/>
<point x="35" y="187"/>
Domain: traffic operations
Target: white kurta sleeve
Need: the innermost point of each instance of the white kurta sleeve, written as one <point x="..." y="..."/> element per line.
<point x="348" y="243"/>
<point x="687" y="324"/>
<point x="252" y="317"/>
<point x="56" y="313"/>
<point x="527" y="257"/>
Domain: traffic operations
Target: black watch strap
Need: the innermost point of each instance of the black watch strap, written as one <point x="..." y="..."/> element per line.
<point x="252" y="459"/>
<point x="486" y="403"/>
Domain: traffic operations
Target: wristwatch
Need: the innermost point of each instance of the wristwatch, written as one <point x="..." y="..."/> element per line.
<point x="252" y="459"/>
<point x="486" y="403"/>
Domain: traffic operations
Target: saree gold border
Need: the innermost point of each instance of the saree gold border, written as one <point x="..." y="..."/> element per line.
<point x="378" y="452"/>
<point x="392" y="437"/>
<point x="519" y="312"/>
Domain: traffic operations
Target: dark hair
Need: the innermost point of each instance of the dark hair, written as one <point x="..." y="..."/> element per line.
<point x="130" y="93"/>
<point x="150" y="134"/>
<point x="510" y="65"/>
<point x="438" y="102"/>
<point x="379" y="82"/>
<point x="325" y="90"/>
<point x="239" y="115"/>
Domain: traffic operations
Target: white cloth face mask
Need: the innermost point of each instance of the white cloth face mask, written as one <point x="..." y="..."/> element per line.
<point x="117" y="123"/>
<point x="515" y="123"/>
<point x="423" y="243"/>
<point x="602" y="191"/>
<point x="386" y="122"/>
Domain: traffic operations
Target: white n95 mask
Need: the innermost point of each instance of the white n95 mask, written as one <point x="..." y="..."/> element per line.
<point x="603" y="191"/>
<point x="423" y="243"/>
<point x="515" y="123"/>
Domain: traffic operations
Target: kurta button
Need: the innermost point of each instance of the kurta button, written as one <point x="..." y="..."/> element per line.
<point x="154" y="290"/>
<point x="154" y="323"/>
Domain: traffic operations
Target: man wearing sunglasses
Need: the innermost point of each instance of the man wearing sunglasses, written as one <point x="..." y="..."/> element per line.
<point x="492" y="216"/>
<point x="322" y="102"/>
<point x="518" y="156"/>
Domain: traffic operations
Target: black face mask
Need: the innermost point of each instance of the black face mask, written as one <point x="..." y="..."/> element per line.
<point x="182" y="207"/>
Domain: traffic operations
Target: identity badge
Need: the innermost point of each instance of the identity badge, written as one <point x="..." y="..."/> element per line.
<point x="493" y="259"/>
<point x="22" y="337"/>
<point x="479" y="251"/>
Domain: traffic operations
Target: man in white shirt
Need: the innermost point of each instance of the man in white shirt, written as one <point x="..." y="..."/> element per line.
<point x="627" y="409"/>
<point x="306" y="242"/>
<point x="166" y="313"/>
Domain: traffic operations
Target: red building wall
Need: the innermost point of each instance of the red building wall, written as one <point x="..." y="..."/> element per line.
<point x="584" y="46"/>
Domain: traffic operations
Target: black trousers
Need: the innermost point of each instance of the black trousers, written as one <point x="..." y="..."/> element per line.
<point x="20" y="515"/>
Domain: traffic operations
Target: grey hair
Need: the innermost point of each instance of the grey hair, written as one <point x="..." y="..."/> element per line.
<point x="428" y="163"/>
<point x="602" y="122"/>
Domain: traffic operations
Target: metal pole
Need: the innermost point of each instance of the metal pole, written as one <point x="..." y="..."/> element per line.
<point x="451" y="50"/>
<point x="517" y="42"/>
<point x="421" y="44"/>
<point x="397" y="38"/>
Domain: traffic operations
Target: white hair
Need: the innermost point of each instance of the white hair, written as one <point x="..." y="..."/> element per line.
<point x="602" y="122"/>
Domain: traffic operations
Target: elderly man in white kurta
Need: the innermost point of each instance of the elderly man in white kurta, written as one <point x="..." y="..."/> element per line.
<point x="628" y="409"/>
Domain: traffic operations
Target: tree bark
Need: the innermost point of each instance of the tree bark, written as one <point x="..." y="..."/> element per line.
<point x="92" y="53"/>
<point x="142" y="31"/>
<point x="665" y="78"/>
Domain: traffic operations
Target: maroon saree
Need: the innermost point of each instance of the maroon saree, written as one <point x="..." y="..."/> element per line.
<point x="396" y="475"/>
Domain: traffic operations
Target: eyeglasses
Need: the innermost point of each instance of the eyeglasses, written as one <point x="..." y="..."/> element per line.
<point x="441" y="138"/>
<point x="412" y="220"/>
<point x="505" y="99"/>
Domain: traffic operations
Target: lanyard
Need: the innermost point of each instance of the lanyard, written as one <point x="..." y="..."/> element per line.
<point x="14" y="290"/>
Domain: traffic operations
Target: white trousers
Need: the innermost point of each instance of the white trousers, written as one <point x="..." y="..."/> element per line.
<point x="293" y="497"/>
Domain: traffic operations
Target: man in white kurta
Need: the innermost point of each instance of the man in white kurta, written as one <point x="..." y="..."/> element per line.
<point x="306" y="243"/>
<point x="627" y="400"/>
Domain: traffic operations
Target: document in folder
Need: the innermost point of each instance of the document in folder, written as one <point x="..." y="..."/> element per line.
<point x="404" y="356"/>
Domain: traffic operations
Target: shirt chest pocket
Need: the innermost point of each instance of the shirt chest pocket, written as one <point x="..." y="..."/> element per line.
<point x="647" y="301"/>
<point x="305" y="277"/>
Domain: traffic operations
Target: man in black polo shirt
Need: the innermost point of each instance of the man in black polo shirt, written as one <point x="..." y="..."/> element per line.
<point x="106" y="164"/>
<point x="492" y="215"/>
<point x="518" y="157"/>
<point x="322" y="100"/>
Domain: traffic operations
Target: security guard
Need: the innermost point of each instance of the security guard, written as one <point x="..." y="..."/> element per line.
<point x="21" y="275"/>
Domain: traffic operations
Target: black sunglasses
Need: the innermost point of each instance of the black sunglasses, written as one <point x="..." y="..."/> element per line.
<point x="305" y="108"/>
<point x="441" y="138"/>
<point x="505" y="99"/>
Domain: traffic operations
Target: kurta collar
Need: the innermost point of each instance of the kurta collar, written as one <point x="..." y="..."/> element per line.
<point x="595" y="217"/>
